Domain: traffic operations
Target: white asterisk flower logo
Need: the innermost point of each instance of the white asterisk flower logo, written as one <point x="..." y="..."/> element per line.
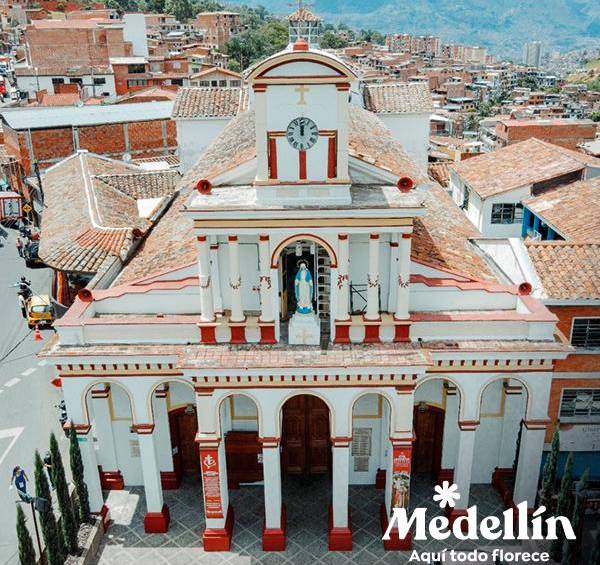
<point x="446" y="494"/>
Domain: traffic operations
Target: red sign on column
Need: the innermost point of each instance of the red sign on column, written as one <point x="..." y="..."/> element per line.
<point x="209" y="461"/>
<point x="401" y="476"/>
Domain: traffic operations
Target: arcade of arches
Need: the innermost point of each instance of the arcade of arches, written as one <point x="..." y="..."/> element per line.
<point x="365" y="436"/>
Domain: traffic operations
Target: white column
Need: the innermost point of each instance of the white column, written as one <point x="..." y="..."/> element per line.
<point x="235" y="280"/>
<point x="266" y="286"/>
<point x="340" y="478"/>
<point x="402" y="290"/>
<point x="162" y="430"/>
<point x="103" y="429"/>
<point x="464" y="463"/>
<point x="343" y="284"/>
<point x="206" y="298"/>
<point x="530" y="460"/>
<point x="373" y="279"/>
<point x="150" y="470"/>
<point x="342" y="123"/>
<point x="393" y="281"/>
<point x="260" y="121"/>
<point x="215" y="275"/>
<point x="90" y="468"/>
<point x="272" y="484"/>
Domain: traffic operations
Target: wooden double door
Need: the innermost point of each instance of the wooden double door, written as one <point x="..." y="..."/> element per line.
<point x="428" y="424"/>
<point x="305" y="441"/>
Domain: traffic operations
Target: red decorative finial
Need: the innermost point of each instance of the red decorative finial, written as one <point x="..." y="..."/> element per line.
<point x="301" y="44"/>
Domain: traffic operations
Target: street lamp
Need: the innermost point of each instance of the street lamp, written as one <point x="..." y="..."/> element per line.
<point x="41" y="505"/>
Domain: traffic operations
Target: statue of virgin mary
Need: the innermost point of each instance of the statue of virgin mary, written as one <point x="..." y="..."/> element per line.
<point x="303" y="289"/>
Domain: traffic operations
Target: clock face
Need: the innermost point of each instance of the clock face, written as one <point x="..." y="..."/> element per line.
<point x="302" y="133"/>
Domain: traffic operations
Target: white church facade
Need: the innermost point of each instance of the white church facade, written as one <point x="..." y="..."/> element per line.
<point x="310" y="304"/>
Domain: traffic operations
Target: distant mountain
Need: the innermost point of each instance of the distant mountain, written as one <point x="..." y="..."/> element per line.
<point x="501" y="25"/>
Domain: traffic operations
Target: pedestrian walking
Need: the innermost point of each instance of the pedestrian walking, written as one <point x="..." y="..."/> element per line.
<point x="48" y="466"/>
<point x="22" y="305"/>
<point x="20" y="480"/>
<point x="19" y="245"/>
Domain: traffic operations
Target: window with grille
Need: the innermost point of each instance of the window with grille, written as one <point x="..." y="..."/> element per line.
<point x="580" y="403"/>
<point x="586" y="332"/>
<point x="507" y="213"/>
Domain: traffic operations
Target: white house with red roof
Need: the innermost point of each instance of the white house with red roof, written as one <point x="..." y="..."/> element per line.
<point x="309" y="304"/>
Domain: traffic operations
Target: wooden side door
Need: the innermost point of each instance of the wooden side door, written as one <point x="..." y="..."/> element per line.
<point x="188" y="428"/>
<point x="318" y="446"/>
<point x="294" y="435"/>
<point x="428" y="423"/>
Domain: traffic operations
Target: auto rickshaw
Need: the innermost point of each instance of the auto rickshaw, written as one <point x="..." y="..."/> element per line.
<point x="40" y="311"/>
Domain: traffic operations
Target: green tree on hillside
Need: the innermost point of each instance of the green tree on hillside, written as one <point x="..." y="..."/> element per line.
<point x="183" y="10"/>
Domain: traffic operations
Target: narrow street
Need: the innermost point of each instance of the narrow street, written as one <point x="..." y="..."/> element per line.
<point x="27" y="399"/>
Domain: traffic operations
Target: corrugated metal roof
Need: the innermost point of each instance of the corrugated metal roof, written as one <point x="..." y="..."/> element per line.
<point x="41" y="118"/>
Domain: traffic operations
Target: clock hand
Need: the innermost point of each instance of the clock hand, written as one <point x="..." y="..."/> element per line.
<point x="302" y="130"/>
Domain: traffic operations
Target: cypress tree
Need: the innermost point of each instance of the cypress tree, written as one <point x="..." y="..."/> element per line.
<point x="549" y="476"/>
<point x="573" y="547"/>
<point x="50" y="533"/>
<point x="68" y="523"/>
<point x="77" y="473"/>
<point x="26" y="550"/>
<point x="564" y="507"/>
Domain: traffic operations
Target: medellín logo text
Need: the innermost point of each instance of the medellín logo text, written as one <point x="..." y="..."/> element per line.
<point x="473" y="527"/>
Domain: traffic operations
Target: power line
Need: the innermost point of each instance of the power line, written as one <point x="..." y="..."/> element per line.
<point x="15" y="346"/>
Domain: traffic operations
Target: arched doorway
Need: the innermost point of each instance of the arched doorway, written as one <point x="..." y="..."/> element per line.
<point x="428" y="425"/>
<point x="318" y="262"/>
<point x="305" y="436"/>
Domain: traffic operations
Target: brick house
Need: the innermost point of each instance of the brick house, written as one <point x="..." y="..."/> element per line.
<point x="44" y="136"/>
<point x="71" y="52"/>
<point x="563" y="132"/>
<point x="218" y="27"/>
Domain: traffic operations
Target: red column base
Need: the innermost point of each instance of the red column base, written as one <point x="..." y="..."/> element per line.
<point x="219" y="539"/>
<point x="445" y="475"/>
<point x="453" y="513"/>
<point x="340" y="539"/>
<point x="372" y="334"/>
<point x="104" y="516"/>
<point x="273" y="539"/>
<point x="395" y="543"/>
<point x="267" y="333"/>
<point x="157" y="522"/>
<point x="380" y="479"/>
<point x="342" y="333"/>
<point x="207" y="334"/>
<point x="169" y="480"/>
<point x="238" y="334"/>
<point x="111" y="480"/>
<point x="402" y="332"/>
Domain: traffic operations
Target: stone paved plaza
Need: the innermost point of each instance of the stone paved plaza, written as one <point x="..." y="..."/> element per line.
<point x="306" y="501"/>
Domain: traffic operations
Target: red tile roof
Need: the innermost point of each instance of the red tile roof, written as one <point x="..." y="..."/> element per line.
<point x="572" y="209"/>
<point x="519" y="165"/>
<point x="568" y="270"/>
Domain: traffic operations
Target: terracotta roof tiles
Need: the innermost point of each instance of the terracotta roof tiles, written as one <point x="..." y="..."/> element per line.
<point x="398" y="98"/>
<point x="520" y="164"/>
<point x="572" y="209"/>
<point x="209" y="102"/>
<point x="567" y="270"/>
